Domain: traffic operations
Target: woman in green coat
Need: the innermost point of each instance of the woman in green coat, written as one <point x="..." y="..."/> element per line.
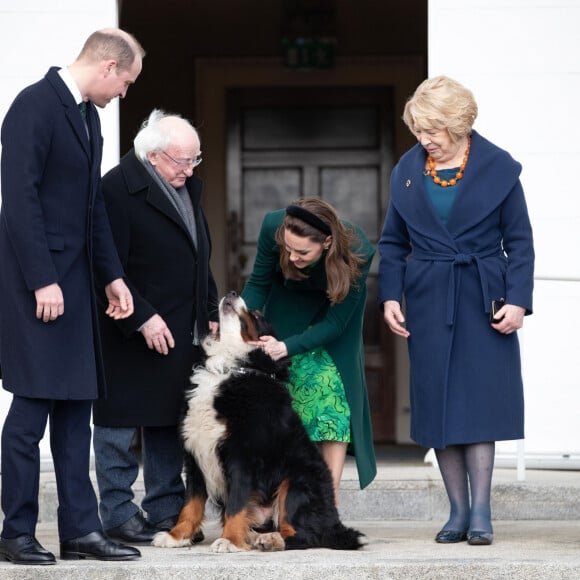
<point x="309" y="278"/>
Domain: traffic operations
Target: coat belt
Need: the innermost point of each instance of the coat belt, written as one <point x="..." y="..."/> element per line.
<point x="455" y="261"/>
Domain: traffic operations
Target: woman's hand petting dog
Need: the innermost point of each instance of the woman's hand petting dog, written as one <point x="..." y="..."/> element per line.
<point x="272" y="347"/>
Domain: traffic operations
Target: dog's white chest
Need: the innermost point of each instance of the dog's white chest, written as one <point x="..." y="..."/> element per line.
<point x="202" y="432"/>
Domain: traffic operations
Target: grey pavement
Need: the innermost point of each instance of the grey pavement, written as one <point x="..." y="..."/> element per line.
<point x="526" y="550"/>
<point x="536" y="523"/>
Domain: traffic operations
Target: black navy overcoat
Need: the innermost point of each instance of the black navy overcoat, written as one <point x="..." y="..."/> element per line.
<point x="53" y="228"/>
<point x="167" y="275"/>
<point x="466" y="383"/>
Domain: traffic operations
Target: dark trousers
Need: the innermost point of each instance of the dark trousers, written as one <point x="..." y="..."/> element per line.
<point x="70" y="441"/>
<point x="117" y="469"/>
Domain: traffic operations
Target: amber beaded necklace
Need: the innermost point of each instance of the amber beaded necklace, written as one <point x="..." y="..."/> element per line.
<point x="459" y="175"/>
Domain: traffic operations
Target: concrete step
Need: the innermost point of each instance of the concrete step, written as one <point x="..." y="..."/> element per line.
<point x="536" y="524"/>
<point x="396" y="550"/>
<point x="415" y="492"/>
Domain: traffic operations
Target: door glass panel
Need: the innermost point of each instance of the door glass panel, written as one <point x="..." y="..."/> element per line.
<point x="266" y="190"/>
<point x="353" y="191"/>
<point x="310" y="128"/>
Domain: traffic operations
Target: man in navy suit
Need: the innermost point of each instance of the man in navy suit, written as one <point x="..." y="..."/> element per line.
<point x="55" y="242"/>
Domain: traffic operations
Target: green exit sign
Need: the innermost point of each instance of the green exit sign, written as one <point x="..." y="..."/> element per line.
<point x="308" y="53"/>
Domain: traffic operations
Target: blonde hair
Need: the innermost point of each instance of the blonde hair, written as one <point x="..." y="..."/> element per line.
<point x="342" y="265"/>
<point x="441" y="103"/>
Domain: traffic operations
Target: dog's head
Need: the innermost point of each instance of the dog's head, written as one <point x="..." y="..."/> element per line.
<point x="238" y="327"/>
<point x="237" y="319"/>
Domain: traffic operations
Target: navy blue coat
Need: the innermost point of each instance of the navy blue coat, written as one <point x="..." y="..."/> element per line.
<point x="466" y="383"/>
<point x="167" y="275"/>
<point x="53" y="228"/>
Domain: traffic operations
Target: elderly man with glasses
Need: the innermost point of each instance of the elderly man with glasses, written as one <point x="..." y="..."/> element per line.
<point x="153" y="201"/>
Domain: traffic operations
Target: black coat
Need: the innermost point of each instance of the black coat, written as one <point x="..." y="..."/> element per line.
<point x="168" y="276"/>
<point x="53" y="228"/>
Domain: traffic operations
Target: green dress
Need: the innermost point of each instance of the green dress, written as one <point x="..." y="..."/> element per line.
<point x="303" y="318"/>
<point x="318" y="396"/>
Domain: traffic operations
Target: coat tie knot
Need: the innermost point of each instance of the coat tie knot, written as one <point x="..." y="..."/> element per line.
<point x="460" y="259"/>
<point x="463" y="259"/>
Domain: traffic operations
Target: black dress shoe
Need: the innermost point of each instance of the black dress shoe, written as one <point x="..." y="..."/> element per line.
<point x="96" y="545"/>
<point x="450" y="537"/>
<point x="479" y="538"/>
<point x="134" y="531"/>
<point x="25" y="549"/>
<point x="168" y="524"/>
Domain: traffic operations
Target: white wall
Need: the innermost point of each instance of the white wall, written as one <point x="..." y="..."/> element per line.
<point x="521" y="60"/>
<point x="38" y="34"/>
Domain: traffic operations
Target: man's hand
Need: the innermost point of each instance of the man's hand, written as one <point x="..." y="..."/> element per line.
<point x="120" y="300"/>
<point x="49" y="302"/>
<point x="157" y="335"/>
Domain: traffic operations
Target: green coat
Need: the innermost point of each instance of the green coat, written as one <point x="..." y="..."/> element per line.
<point x="303" y="318"/>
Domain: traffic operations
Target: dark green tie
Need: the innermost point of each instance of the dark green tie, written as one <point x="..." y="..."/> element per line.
<point x="83" y="110"/>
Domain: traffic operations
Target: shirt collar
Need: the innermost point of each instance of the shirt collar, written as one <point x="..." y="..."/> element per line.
<point x="71" y="84"/>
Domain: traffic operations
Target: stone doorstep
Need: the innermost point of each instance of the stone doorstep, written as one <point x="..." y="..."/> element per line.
<point x="421" y="496"/>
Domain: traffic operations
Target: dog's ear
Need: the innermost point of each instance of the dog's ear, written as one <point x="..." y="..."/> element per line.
<point x="263" y="327"/>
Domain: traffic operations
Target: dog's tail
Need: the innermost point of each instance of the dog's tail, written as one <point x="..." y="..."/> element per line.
<point x="338" y="537"/>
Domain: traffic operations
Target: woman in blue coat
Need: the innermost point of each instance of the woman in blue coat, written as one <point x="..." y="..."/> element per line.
<point x="456" y="237"/>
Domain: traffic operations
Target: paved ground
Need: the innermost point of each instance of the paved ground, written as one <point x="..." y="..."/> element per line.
<point x="537" y="537"/>
<point x="528" y="550"/>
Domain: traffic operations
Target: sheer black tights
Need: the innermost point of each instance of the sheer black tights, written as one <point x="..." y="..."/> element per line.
<point x="465" y="469"/>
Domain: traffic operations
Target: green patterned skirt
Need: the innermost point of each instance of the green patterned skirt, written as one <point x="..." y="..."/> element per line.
<point x="318" y="396"/>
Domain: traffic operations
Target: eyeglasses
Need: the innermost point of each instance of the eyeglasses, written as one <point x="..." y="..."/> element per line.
<point x="184" y="163"/>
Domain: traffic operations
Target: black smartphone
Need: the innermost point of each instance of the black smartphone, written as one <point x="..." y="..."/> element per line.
<point x="496" y="305"/>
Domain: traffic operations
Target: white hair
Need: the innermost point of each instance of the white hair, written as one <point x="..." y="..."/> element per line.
<point x="155" y="135"/>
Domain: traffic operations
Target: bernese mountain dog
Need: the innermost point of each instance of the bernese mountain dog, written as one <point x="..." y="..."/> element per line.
<point x="246" y="450"/>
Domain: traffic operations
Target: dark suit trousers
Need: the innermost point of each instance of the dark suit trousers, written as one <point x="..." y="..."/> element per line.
<point x="70" y="440"/>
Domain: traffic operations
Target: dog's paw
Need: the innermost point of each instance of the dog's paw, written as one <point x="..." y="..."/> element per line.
<point x="271" y="542"/>
<point x="224" y="546"/>
<point x="166" y="540"/>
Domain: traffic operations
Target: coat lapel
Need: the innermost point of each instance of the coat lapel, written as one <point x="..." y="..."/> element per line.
<point x="490" y="175"/>
<point x="476" y="200"/>
<point x="71" y="110"/>
<point x="410" y="197"/>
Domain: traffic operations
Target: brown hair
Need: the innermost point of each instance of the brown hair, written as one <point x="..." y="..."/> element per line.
<point x="341" y="263"/>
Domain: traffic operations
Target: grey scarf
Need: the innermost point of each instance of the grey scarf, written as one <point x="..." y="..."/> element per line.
<point x="179" y="198"/>
<point x="182" y="203"/>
